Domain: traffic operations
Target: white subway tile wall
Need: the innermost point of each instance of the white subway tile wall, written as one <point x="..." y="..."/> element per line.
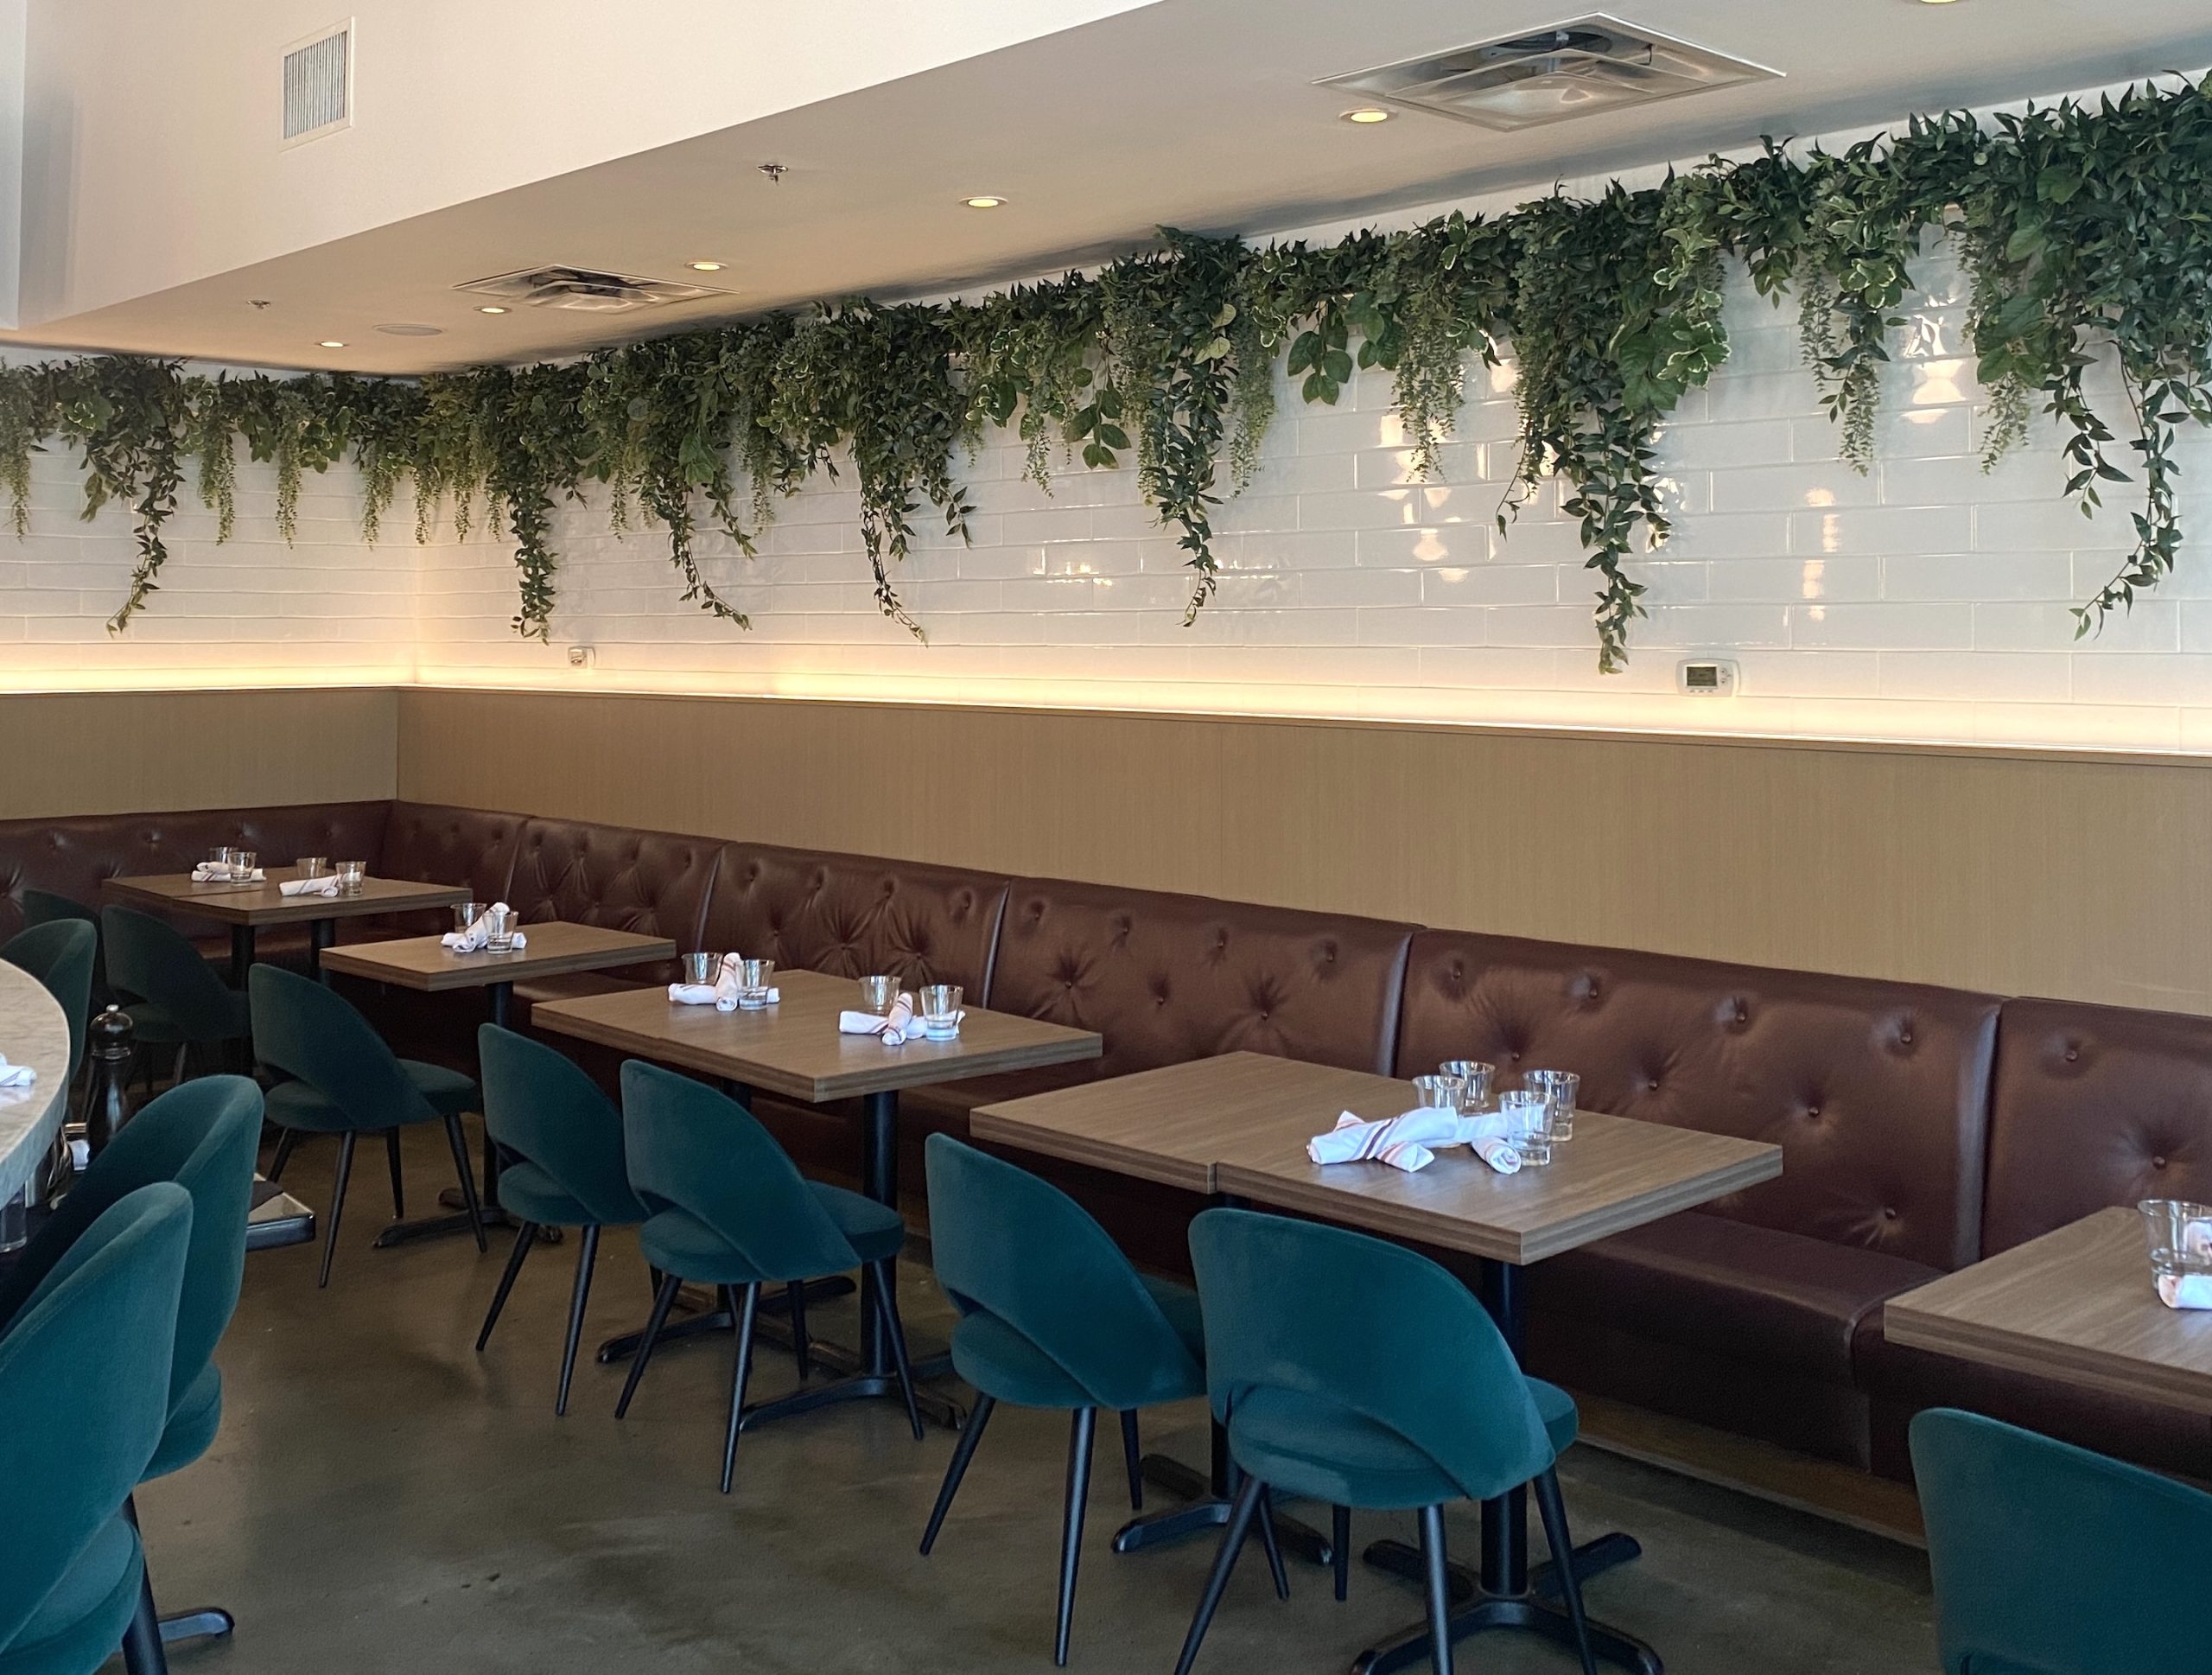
<point x="1925" y="600"/>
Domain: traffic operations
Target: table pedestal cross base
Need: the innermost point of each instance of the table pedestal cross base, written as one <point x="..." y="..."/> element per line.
<point x="208" y="1622"/>
<point x="1203" y="1510"/>
<point x="1476" y="1608"/>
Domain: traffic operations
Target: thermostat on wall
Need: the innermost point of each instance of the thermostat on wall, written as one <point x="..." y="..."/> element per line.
<point x="1707" y="677"/>
<point x="582" y="657"/>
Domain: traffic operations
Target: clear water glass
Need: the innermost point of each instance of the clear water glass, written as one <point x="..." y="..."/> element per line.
<point x="464" y="914"/>
<point x="2179" y="1234"/>
<point x="702" y="968"/>
<point x="878" y="995"/>
<point x="243" y="861"/>
<point x="502" y="927"/>
<point x="1529" y="1125"/>
<point x="314" y="866"/>
<point x="940" y="1010"/>
<point x="1560" y="1089"/>
<point x="15" y="1221"/>
<point x="350" y="875"/>
<point x="1477" y="1075"/>
<point x="753" y="981"/>
<point x="1440" y="1092"/>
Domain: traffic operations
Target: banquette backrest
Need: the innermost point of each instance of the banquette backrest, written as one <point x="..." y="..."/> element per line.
<point x="654" y="882"/>
<point x="437" y="844"/>
<point x="1877" y="1092"/>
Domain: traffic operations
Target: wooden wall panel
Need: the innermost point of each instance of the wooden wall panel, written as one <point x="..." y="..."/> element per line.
<point x="116" y="753"/>
<point x="2064" y="876"/>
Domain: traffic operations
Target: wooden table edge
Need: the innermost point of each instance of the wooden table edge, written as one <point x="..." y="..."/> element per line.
<point x="348" y="961"/>
<point x="1154" y="1167"/>
<point x="2045" y="1358"/>
<point x="285" y="909"/>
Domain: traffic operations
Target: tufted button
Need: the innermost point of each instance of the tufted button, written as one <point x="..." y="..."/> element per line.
<point x="2073" y="1055"/>
<point x="1889" y="1215"/>
<point x="1812" y="1111"/>
<point x="2158" y="1163"/>
<point x="1651" y="1085"/>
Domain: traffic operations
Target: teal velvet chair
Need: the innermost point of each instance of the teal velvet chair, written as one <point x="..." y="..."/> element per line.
<point x="349" y="1083"/>
<point x="1353" y="1371"/>
<point x="2050" y="1560"/>
<point x="1052" y="1316"/>
<point x="172" y="994"/>
<point x="59" y="954"/>
<point x="567" y="1168"/>
<point x="85" y="1366"/>
<point x="729" y="1209"/>
<point x="48" y="908"/>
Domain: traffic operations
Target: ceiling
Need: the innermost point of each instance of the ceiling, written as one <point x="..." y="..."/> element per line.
<point x="1199" y="113"/>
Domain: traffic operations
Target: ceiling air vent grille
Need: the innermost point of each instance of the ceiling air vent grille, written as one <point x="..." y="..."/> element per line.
<point x="1580" y="68"/>
<point x="585" y="290"/>
<point x="319" y="84"/>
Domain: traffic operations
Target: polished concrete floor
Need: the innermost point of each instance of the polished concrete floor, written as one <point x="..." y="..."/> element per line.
<point x="382" y="1498"/>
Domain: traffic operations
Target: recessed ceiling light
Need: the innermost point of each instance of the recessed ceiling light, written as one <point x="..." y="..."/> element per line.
<point x="330" y="343"/>
<point x="1364" y="116"/>
<point x="408" y="328"/>
<point x="490" y="308"/>
<point x="983" y="201"/>
<point x="706" y="267"/>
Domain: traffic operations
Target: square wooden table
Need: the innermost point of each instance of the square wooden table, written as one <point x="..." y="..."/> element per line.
<point x="553" y="948"/>
<point x="246" y="907"/>
<point x="794" y="1048"/>
<point x="1236" y="1126"/>
<point x="2076" y="1305"/>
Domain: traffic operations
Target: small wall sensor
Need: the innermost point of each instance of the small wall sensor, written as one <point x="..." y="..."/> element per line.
<point x="1707" y="677"/>
<point x="582" y="657"/>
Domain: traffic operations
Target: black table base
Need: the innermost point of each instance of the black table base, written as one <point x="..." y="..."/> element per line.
<point x="1205" y="1507"/>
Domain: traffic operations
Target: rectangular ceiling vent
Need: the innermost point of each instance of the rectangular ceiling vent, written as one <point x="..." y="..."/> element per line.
<point x="585" y="290"/>
<point x="1581" y="68"/>
<point x="319" y="84"/>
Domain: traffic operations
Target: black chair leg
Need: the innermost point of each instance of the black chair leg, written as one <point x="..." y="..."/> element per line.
<point x="1232" y="1543"/>
<point x="744" y="1315"/>
<point x="399" y="1186"/>
<point x="586" y="1258"/>
<point x="1081" y="1433"/>
<point x="962" y="1452"/>
<point x="1439" y="1587"/>
<point x="183" y="1062"/>
<point x="525" y="1235"/>
<point x="895" y="1331"/>
<point x="459" y="1145"/>
<point x="801" y="1348"/>
<point x="1340" y="1549"/>
<point x="337" y="1204"/>
<point x="1553" y="1505"/>
<point x="1272" y="1547"/>
<point x="664" y="1300"/>
<point x="286" y="1139"/>
<point x="142" y="1639"/>
<point x="1132" y="1458"/>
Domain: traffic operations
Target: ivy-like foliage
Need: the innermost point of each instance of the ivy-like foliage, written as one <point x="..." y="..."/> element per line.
<point x="2083" y="231"/>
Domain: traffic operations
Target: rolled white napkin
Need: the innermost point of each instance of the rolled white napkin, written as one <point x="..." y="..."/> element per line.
<point x="211" y="872"/>
<point x="2185" y="1290"/>
<point x="479" y="932"/>
<point x="721" y="994"/>
<point x="326" y="885"/>
<point x="1410" y="1142"/>
<point x="901" y="1024"/>
<point x="16" y="1075"/>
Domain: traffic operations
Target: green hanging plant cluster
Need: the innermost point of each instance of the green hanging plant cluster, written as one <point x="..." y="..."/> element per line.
<point x="2084" y="231"/>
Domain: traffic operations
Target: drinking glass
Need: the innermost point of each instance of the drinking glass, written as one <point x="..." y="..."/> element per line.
<point x="14" y="1221"/>
<point x="879" y="994"/>
<point x="752" y="977"/>
<point x="219" y="857"/>
<point x="940" y="1010"/>
<point x="502" y="927"/>
<point x="1440" y="1092"/>
<point x="1477" y="1075"/>
<point x="350" y="875"/>
<point x="702" y="968"/>
<point x="464" y="914"/>
<point x="314" y="866"/>
<point x="1528" y="1124"/>
<point x="243" y="861"/>
<point x="2179" y="1234"/>
<point x="1561" y="1088"/>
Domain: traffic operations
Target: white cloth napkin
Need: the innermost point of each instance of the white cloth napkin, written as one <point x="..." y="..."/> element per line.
<point x="721" y="994"/>
<point x="480" y="932"/>
<point x="326" y="885"/>
<point x="901" y="1024"/>
<point x="1411" y="1141"/>
<point x="215" y="872"/>
<point x="2185" y="1290"/>
<point x="16" y="1075"/>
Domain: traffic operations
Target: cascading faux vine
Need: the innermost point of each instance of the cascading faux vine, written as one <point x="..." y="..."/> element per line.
<point x="2083" y="229"/>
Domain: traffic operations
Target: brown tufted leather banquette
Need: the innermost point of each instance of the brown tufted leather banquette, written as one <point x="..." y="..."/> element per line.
<point x="652" y="882"/>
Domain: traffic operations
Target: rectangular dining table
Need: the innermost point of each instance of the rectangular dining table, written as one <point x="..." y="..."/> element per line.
<point x="1235" y="1127"/>
<point x="246" y="907"/>
<point x="794" y="1048"/>
<point x="2076" y="1305"/>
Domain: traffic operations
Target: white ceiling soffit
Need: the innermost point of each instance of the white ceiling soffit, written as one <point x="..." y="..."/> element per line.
<point x="1201" y="113"/>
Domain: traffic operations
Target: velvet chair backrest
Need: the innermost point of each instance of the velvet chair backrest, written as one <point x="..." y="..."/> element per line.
<point x="693" y="1149"/>
<point x="538" y="1102"/>
<point x="84" y="1390"/>
<point x="2050" y="1559"/>
<point x="201" y="1136"/>
<point x="1371" y="1327"/>
<point x="46" y="907"/>
<point x="150" y="959"/>
<point x="315" y="1034"/>
<point x="1019" y="1248"/>
<point x="60" y="955"/>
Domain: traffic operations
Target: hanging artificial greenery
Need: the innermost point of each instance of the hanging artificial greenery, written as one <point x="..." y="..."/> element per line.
<point x="2081" y="229"/>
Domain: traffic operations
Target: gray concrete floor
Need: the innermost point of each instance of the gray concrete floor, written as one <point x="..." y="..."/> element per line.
<point x="384" y="1499"/>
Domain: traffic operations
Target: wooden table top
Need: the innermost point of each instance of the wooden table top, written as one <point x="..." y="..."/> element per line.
<point x="2076" y="1305"/>
<point x="263" y="904"/>
<point x="1238" y="1125"/>
<point x="551" y="948"/>
<point x="794" y="1047"/>
<point x="34" y="1031"/>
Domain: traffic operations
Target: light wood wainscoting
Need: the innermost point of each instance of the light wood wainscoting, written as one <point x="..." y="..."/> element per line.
<point x="2023" y="874"/>
<point x="121" y="753"/>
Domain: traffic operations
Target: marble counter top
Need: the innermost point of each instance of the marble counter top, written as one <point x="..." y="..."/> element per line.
<point x="32" y="1031"/>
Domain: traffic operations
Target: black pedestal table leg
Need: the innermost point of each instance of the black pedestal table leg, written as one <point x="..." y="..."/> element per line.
<point x="241" y="954"/>
<point x="322" y="933"/>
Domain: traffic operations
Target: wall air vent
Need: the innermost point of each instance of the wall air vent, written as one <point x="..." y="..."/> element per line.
<point x="319" y="84"/>
<point x="1581" y="68"/>
<point x="585" y="290"/>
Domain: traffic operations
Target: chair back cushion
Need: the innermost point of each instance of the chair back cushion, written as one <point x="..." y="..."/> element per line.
<point x="652" y="882"/>
<point x="59" y="954"/>
<point x="538" y="1102"/>
<point x="315" y="1034"/>
<point x="853" y="915"/>
<point x="149" y="959"/>
<point x="1877" y="1092"/>
<point x="1166" y="978"/>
